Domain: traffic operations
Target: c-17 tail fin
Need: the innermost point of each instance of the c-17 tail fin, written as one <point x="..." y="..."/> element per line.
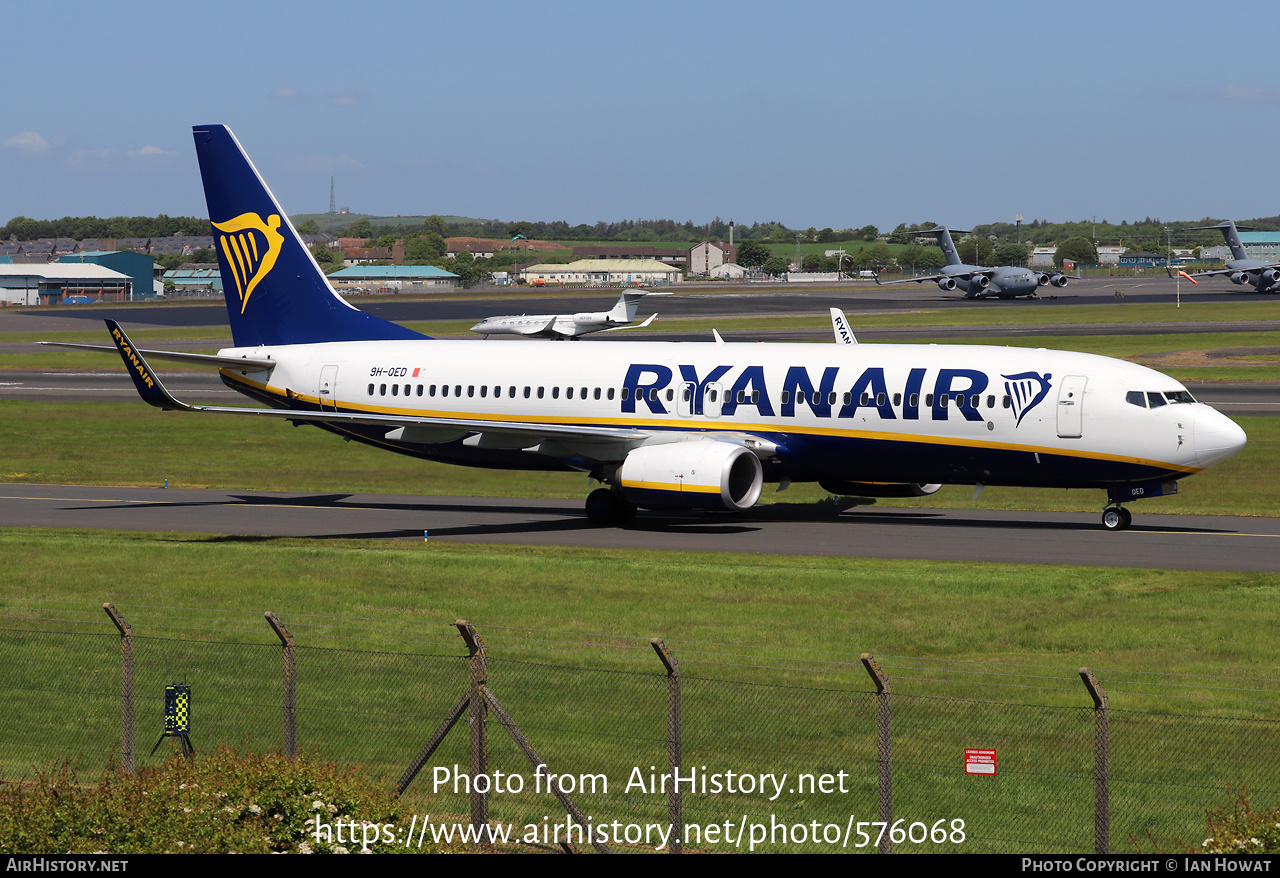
<point x="943" y="234"/>
<point x="276" y="293"/>
<point x="1231" y="235"/>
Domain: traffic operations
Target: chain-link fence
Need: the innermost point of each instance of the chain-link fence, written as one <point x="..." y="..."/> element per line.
<point x="655" y="745"/>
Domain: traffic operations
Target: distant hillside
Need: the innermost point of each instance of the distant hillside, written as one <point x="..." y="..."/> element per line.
<point x="331" y="221"/>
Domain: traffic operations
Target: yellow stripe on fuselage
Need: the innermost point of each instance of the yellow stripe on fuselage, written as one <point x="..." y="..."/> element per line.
<point x="703" y="427"/>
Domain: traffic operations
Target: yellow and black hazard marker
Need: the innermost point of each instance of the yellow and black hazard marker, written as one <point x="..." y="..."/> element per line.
<point x="177" y="718"/>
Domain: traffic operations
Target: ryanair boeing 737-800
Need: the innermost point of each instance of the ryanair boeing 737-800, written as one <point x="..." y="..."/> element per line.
<point x="677" y="425"/>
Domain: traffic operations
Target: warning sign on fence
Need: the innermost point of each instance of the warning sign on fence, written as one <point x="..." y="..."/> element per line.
<point x="979" y="762"/>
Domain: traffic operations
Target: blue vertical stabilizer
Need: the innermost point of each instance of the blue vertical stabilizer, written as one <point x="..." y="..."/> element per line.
<point x="276" y="293"/>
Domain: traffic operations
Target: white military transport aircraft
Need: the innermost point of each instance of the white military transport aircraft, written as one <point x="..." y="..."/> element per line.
<point x="677" y="425"/>
<point x="570" y="325"/>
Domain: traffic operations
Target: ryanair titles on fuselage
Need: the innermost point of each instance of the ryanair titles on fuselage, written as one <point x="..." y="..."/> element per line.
<point x="927" y="393"/>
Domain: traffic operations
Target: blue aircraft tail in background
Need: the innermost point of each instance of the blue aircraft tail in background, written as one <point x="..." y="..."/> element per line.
<point x="276" y="293"/>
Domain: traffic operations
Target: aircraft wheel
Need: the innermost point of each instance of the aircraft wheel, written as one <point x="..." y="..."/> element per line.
<point x="1116" y="518"/>
<point x="604" y="507"/>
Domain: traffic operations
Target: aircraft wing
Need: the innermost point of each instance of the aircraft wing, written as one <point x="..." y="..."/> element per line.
<point x="175" y="356"/>
<point x="1212" y="273"/>
<point x="909" y="280"/>
<point x="516" y="433"/>
<point x="1219" y="272"/>
<point x="934" y="278"/>
<point x="636" y="325"/>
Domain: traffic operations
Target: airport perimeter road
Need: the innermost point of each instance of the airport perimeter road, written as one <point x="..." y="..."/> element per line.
<point x="1154" y="541"/>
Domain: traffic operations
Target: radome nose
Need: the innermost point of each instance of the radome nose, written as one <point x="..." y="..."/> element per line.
<point x="1217" y="437"/>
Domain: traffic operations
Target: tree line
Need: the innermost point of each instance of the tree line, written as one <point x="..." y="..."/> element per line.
<point x="22" y="228"/>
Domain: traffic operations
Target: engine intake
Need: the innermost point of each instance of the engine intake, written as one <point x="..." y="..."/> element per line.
<point x="946" y="284"/>
<point x="1059" y="280"/>
<point x="698" y="474"/>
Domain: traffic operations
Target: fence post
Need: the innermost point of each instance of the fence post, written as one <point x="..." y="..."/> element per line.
<point x="289" y="700"/>
<point x="126" y="685"/>
<point x="675" y="755"/>
<point x="884" y="747"/>
<point x="1101" y="764"/>
<point x="479" y="718"/>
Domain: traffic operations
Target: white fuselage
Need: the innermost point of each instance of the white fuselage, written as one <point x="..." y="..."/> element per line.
<point x="928" y="413"/>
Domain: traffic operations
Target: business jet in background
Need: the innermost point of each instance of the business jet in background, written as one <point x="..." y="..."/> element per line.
<point x="570" y="325"/>
<point x="665" y="425"/>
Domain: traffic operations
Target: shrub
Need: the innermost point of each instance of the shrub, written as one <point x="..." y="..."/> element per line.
<point x="221" y="802"/>
<point x="1239" y="829"/>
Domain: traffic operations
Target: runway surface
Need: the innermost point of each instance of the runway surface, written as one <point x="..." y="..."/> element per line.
<point x="1154" y="541"/>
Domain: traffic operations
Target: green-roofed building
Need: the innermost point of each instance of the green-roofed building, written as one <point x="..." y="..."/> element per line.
<point x="394" y="278"/>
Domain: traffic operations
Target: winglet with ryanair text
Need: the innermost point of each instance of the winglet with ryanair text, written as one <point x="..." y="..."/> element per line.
<point x="144" y="379"/>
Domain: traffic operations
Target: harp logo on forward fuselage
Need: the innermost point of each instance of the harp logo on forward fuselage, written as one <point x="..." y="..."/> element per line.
<point x="1027" y="390"/>
<point x="250" y="247"/>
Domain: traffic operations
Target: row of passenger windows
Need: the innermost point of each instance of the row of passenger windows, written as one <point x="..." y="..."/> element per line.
<point x="973" y="401"/>
<point x="484" y="391"/>
<point x="1154" y="398"/>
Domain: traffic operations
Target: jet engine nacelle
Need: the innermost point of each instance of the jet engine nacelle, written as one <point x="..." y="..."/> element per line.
<point x="1239" y="277"/>
<point x="981" y="281"/>
<point x="591" y="318"/>
<point x="946" y="284"/>
<point x="1270" y="275"/>
<point x="1059" y="280"/>
<point x="698" y="474"/>
<point x="1042" y="279"/>
<point x="880" y="489"/>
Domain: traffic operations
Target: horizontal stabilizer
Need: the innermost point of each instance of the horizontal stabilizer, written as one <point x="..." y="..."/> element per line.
<point x="175" y="356"/>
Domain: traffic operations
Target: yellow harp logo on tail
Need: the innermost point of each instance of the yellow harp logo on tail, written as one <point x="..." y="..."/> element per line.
<point x="251" y="247"/>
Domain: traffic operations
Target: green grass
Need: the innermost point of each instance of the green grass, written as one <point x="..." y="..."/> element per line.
<point x="379" y="665"/>
<point x="1173" y="621"/>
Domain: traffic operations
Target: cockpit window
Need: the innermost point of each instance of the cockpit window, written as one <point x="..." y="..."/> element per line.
<point x="1178" y="396"/>
<point x="1154" y="399"/>
<point x="1136" y="397"/>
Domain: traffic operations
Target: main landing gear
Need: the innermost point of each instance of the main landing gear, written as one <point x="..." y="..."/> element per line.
<point x="1116" y="518"/>
<point x="605" y="507"/>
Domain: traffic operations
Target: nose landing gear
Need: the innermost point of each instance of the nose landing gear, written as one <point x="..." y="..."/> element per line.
<point x="1116" y="518"/>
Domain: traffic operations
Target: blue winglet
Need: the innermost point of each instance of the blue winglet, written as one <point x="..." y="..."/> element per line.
<point x="144" y="379"/>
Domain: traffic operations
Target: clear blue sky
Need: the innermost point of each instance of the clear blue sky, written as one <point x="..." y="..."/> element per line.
<point x="812" y="113"/>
